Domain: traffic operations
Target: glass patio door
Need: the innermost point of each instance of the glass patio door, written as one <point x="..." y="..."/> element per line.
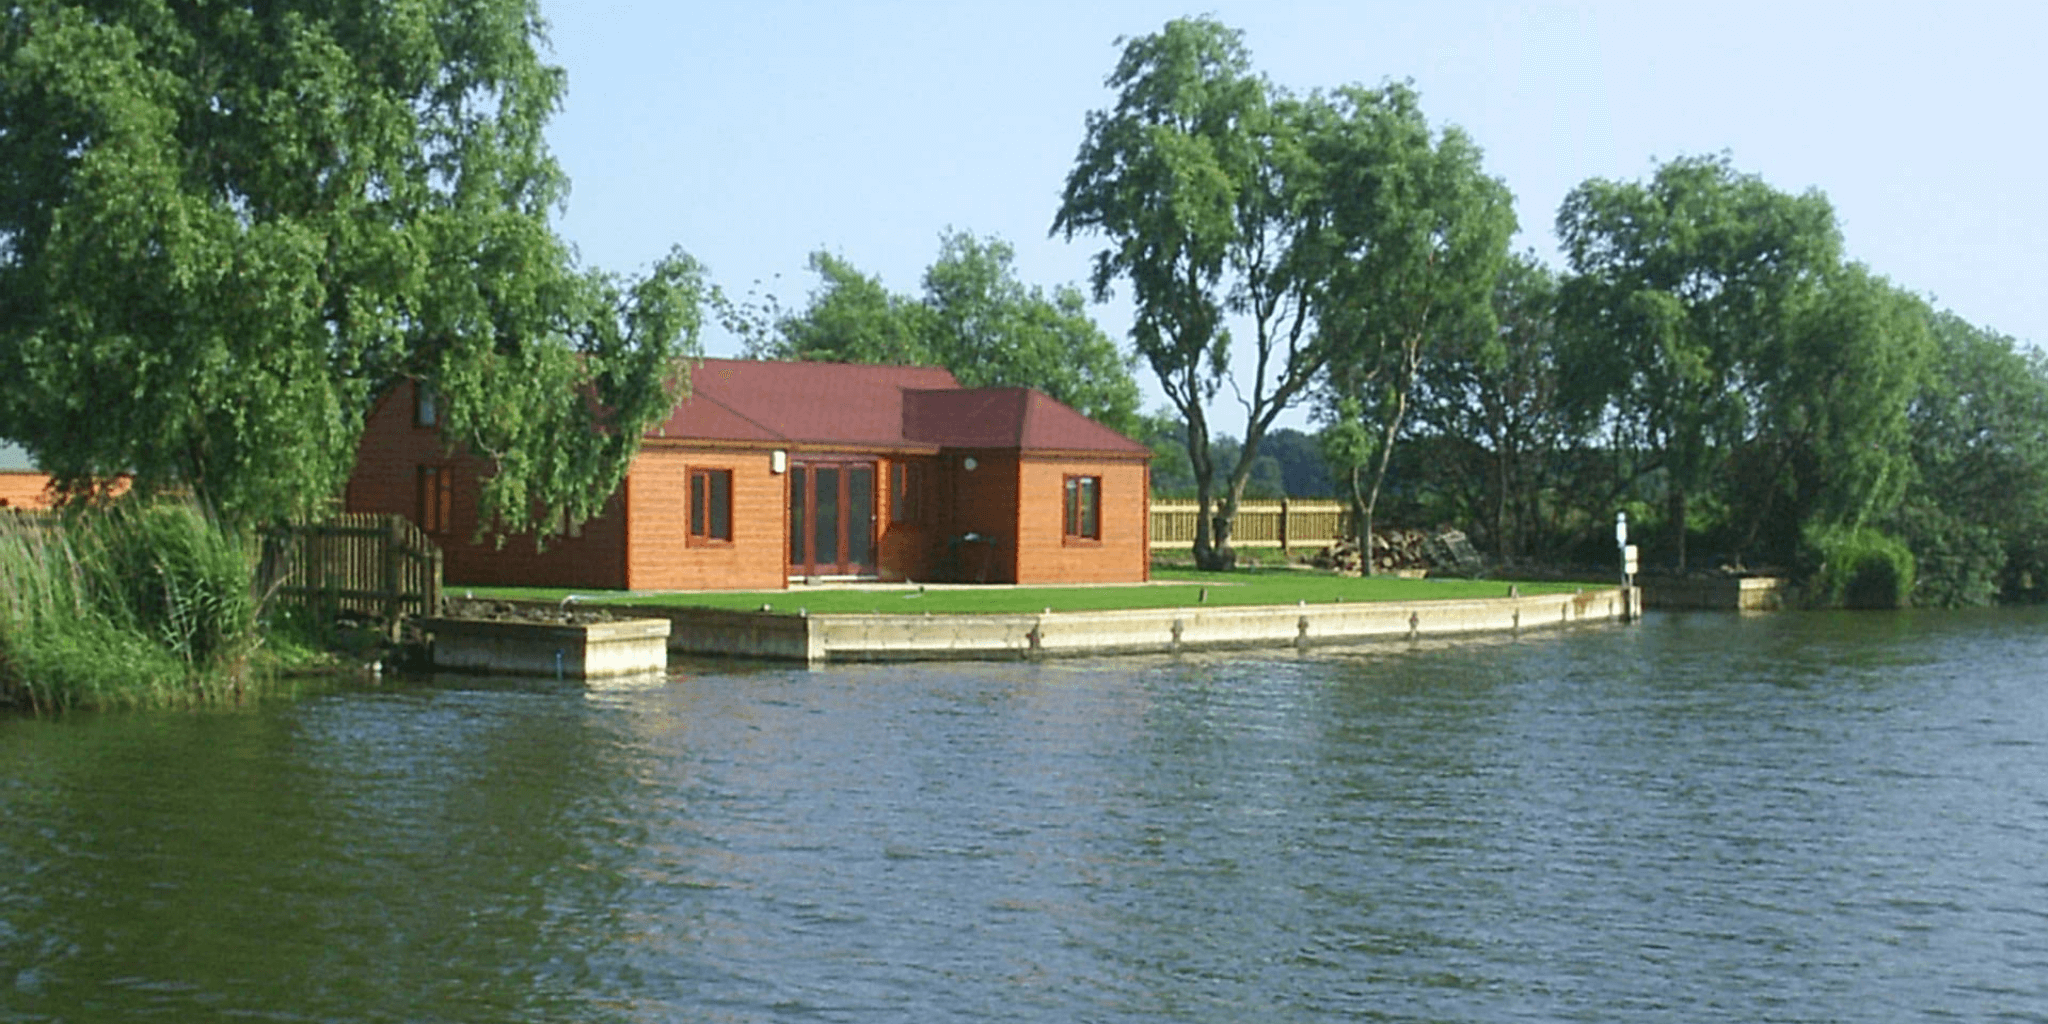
<point x="831" y="518"/>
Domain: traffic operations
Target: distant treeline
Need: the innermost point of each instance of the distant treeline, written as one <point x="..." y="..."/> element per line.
<point x="1964" y="484"/>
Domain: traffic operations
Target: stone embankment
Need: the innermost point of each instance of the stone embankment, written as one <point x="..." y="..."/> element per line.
<point x="820" y="639"/>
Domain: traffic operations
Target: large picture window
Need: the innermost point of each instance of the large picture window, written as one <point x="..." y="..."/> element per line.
<point x="434" y="489"/>
<point x="1083" y="519"/>
<point x="710" y="506"/>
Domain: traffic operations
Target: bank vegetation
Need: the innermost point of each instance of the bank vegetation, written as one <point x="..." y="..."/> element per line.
<point x="137" y="604"/>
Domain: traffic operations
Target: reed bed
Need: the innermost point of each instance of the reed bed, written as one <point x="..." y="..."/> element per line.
<point x="129" y="605"/>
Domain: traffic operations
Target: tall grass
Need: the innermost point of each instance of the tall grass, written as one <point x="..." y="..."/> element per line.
<point x="133" y="605"/>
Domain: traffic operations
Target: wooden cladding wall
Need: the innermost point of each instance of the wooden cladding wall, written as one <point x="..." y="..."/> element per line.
<point x="659" y="552"/>
<point x="24" y="490"/>
<point x="387" y="480"/>
<point x="1046" y="555"/>
<point x="30" y="490"/>
<point x="1286" y="523"/>
<point x="380" y="565"/>
<point x="911" y="537"/>
<point x="983" y="502"/>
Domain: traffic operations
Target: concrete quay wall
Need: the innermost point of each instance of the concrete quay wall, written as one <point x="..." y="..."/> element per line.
<point x="1727" y="593"/>
<point x="598" y="650"/>
<point x="818" y="639"/>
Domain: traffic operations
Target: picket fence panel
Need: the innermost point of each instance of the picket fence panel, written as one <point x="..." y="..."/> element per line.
<point x="1287" y="523"/>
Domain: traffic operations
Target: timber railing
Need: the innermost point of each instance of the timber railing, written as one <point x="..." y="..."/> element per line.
<point x="1286" y="523"/>
<point x="381" y="565"/>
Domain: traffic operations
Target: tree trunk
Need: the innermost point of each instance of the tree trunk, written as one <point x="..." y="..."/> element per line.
<point x="1502" y="541"/>
<point x="1222" y="557"/>
<point x="1678" y="526"/>
<point x="1379" y="475"/>
<point x="1361" y="523"/>
<point x="1212" y="533"/>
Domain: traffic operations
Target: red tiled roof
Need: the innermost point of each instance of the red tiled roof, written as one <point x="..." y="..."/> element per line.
<point x="1006" y="418"/>
<point x="860" y="406"/>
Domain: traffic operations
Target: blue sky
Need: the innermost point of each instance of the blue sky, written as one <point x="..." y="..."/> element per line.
<point x="751" y="134"/>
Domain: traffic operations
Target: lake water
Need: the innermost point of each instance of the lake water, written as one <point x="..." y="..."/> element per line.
<point x="1798" y="817"/>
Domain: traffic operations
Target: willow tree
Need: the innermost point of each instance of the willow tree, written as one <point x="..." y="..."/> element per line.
<point x="1976" y="510"/>
<point x="226" y="230"/>
<point x="1200" y="183"/>
<point x="1832" y="448"/>
<point x="1680" y="286"/>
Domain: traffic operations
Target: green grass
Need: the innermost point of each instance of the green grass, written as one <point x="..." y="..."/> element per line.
<point x="1171" y="589"/>
<point x="1248" y="557"/>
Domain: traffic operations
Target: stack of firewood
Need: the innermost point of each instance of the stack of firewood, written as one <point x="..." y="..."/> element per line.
<point x="1443" y="552"/>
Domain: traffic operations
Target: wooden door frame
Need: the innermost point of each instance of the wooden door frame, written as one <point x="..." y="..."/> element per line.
<point x="804" y="465"/>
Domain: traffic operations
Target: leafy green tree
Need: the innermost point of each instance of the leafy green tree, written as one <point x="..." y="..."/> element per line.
<point x="1677" y="285"/>
<point x="1166" y="435"/>
<point x="1830" y="449"/>
<point x="1492" y="395"/>
<point x="851" y="318"/>
<point x="1419" y="233"/>
<point x="991" y="329"/>
<point x="1299" y="459"/>
<point x="1199" y="182"/>
<point x="1264" y="481"/>
<point x="1976" y="512"/>
<point x="975" y="318"/>
<point x="226" y="230"/>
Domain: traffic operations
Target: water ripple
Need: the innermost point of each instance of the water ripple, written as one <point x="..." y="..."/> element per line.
<point x="1782" y="818"/>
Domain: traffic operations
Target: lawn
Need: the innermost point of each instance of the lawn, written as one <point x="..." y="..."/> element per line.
<point x="1171" y="589"/>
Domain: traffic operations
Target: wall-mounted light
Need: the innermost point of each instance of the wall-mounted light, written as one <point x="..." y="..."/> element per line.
<point x="969" y="463"/>
<point x="778" y="461"/>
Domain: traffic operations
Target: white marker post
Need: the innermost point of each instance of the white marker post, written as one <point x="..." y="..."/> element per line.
<point x="1628" y="567"/>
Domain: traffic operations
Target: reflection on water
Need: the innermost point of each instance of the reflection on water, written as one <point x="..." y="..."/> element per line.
<point x="1793" y="817"/>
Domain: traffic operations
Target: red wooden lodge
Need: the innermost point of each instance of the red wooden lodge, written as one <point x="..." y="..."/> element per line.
<point x="772" y="472"/>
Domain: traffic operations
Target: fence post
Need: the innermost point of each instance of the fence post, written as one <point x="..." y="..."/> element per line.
<point x="1283" y="524"/>
<point x="393" y="586"/>
<point x="433" y="579"/>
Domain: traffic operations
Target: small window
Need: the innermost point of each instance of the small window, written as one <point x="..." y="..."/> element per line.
<point x="435" y="489"/>
<point x="710" y="506"/>
<point x="906" y="489"/>
<point x="425" y="406"/>
<point x="1083" y="519"/>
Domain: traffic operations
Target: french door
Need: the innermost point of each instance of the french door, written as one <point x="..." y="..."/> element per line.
<point x="831" y="518"/>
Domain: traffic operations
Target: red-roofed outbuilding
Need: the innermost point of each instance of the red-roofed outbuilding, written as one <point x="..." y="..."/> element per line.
<point x="775" y="471"/>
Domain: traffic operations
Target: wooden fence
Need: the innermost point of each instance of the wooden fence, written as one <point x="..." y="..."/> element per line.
<point x="375" y="564"/>
<point x="1286" y="523"/>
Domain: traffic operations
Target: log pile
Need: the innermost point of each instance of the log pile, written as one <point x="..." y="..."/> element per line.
<point x="1444" y="552"/>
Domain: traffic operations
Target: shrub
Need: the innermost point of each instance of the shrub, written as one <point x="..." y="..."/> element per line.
<point x="1858" y="568"/>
